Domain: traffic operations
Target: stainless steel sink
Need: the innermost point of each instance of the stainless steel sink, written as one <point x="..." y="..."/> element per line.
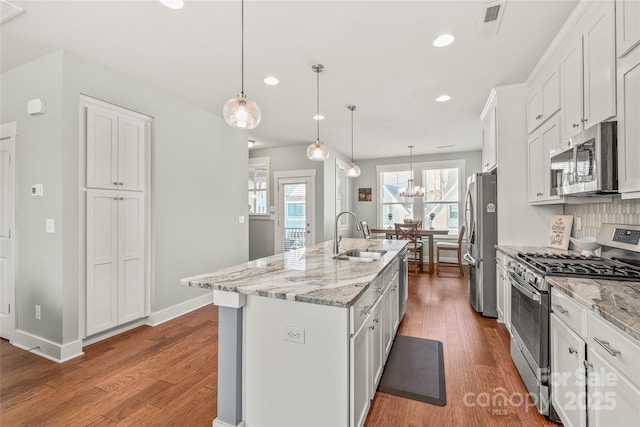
<point x="360" y="255"/>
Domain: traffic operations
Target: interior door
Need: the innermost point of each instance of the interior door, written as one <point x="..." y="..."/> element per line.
<point x="7" y="229"/>
<point x="295" y="214"/>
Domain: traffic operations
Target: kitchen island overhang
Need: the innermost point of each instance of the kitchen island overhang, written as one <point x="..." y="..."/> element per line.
<point x="286" y="326"/>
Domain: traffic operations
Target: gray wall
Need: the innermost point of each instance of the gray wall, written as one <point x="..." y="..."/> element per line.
<point x="199" y="170"/>
<point x="287" y="158"/>
<point x="368" y="178"/>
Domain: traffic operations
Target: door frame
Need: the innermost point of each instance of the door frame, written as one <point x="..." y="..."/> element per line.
<point x="9" y="131"/>
<point x="309" y="174"/>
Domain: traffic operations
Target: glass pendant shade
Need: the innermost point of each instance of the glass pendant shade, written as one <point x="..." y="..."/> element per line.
<point x="317" y="151"/>
<point x="353" y="171"/>
<point x="241" y="113"/>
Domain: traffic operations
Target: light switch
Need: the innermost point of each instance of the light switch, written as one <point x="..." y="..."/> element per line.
<point x="241" y="219"/>
<point x="50" y="226"/>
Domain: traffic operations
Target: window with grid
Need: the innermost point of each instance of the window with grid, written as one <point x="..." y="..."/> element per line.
<point x="393" y="207"/>
<point x="442" y="194"/>
<point x="259" y="186"/>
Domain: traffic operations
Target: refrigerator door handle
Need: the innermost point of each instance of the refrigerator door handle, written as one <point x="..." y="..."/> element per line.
<point x="467" y="257"/>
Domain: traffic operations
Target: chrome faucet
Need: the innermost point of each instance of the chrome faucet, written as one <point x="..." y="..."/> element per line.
<point x="336" y="238"/>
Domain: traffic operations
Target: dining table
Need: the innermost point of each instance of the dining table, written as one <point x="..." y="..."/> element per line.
<point x="390" y="232"/>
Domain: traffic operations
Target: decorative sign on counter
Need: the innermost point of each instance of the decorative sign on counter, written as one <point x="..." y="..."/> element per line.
<point x="560" y="231"/>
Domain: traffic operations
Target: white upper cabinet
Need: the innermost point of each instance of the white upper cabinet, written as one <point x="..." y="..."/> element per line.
<point x="115" y="150"/>
<point x="489" y="137"/>
<point x="544" y="100"/>
<point x="540" y="144"/>
<point x="588" y="73"/>
<point x="629" y="126"/>
<point x="627" y="25"/>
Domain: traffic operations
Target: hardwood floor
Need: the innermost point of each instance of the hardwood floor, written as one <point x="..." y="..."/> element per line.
<point x="167" y="375"/>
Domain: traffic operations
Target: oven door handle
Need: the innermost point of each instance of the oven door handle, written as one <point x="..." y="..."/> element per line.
<point x="527" y="292"/>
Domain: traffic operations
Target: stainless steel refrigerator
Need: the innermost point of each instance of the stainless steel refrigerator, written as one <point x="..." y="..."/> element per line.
<point x="481" y="212"/>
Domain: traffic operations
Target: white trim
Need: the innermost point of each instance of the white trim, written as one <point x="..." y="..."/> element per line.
<point x="58" y="353"/>
<point x="8" y="130"/>
<point x="117" y="330"/>
<point x="218" y="423"/>
<point x="229" y="299"/>
<point x="86" y="100"/>
<point x="309" y="174"/>
<point x="169" y="313"/>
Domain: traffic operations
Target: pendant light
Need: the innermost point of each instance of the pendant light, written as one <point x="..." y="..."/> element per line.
<point x="317" y="150"/>
<point x="412" y="190"/>
<point x="240" y="112"/>
<point x="354" y="170"/>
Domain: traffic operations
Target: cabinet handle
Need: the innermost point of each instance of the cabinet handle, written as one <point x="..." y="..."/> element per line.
<point x="588" y="365"/>
<point x="372" y="327"/>
<point x="376" y="320"/>
<point x="584" y="120"/>
<point x="539" y="116"/>
<point x="365" y="309"/>
<point x="572" y="350"/>
<point x="380" y="291"/>
<point x="115" y="182"/>
<point x="121" y="183"/>
<point x="575" y="125"/>
<point x="539" y="194"/>
<point x="560" y="308"/>
<point x="606" y="346"/>
<point x="121" y="198"/>
<point x="114" y="198"/>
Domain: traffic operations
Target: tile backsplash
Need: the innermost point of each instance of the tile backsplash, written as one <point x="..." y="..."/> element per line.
<point x="593" y="214"/>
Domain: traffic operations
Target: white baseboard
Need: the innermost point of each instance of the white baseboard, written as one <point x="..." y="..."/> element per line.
<point x="113" y="332"/>
<point x="219" y="423"/>
<point x="58" y="353"/>
<point x="178" y="310"/>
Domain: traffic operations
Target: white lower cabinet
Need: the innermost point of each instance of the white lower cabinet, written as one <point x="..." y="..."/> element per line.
<point x="568" y="391"/>
<point x="371" y="344"/>
<point x="503" y="289"/>
<point x="360" y="375"/>
<point x="613" y="399"/>
<point x="116" y="283"/>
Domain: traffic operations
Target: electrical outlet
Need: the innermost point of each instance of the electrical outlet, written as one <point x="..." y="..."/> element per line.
<point x="241" y="219"/>
<point x="38" y="312"/>
<point x="293" y="334"/>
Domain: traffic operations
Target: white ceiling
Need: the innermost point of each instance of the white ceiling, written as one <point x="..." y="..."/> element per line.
<point x="377" y="56"/>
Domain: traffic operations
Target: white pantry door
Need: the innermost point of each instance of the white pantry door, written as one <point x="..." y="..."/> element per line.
<point x="295" y="225"/>
<point x="7" y="229"/>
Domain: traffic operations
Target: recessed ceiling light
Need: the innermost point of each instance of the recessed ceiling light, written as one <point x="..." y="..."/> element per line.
<point x="443" y="40"/>
<point x="318" y="117"/>
<point x="271" y="81"/>
<point x="173" y="4"/>
<point x="443" y="98"/>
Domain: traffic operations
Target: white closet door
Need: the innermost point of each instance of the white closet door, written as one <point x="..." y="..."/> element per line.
<point x="131" y="280"/>
<point x="102" y="148"/>
<point x="131" y="143"/>
<point x="102" y="257"/>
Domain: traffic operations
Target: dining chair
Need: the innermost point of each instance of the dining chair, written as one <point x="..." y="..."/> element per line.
<point x="366" y="231"/>
<point x="450" y="246"/>
<point x="408" y="232"/>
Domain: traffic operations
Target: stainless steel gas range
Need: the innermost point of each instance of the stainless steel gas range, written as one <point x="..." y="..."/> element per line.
<point x="530" y="302"/>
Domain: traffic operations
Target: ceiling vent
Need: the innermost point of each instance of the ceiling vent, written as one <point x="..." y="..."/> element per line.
<point x="491" y="18"/>
<point x="8" y="11"/>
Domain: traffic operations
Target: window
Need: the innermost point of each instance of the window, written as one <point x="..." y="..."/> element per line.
<point x="442" y="194"/>
<point x="259" y="186"/>
<point x="393" y="207"/>
<point x="442" y="182"/>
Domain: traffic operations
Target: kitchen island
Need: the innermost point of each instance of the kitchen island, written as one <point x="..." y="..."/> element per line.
<point x="303" y="337"/>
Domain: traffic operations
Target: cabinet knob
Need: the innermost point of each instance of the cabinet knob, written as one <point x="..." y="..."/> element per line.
<point x="584" y="120"/>
<point x="539" y="116"/>
<point x="588" y="365"/>
<point x="372" y="327"/>
<point x="115" y="183"/>
<point x="560" y="308"/>
<point x="539" y="194"/>
<point x="575" y="125"/>
<point x="572" y="350"/>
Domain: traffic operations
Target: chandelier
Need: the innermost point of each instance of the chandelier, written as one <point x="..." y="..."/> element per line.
<point x="411" y="191"/>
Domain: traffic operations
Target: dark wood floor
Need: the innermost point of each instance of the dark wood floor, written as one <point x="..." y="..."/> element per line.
<point x="167" y="375"/>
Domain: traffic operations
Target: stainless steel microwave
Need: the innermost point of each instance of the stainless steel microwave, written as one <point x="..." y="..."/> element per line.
<point x="587" y="164"/>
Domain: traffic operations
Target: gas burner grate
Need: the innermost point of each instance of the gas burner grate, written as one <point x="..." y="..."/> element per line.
<point x="580" y="266"/>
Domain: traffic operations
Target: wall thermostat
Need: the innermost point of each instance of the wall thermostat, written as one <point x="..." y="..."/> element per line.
<point x="37" y="190"/>
<point x="36" y="107"/>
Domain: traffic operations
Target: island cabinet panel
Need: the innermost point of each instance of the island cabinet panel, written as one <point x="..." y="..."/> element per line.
<point x="360" y="375"/>
<point x="286" y="382"/>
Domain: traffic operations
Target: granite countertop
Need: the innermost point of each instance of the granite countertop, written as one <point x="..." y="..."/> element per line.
<point x="617" y="302"/>
<point x="307" y="274"/>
